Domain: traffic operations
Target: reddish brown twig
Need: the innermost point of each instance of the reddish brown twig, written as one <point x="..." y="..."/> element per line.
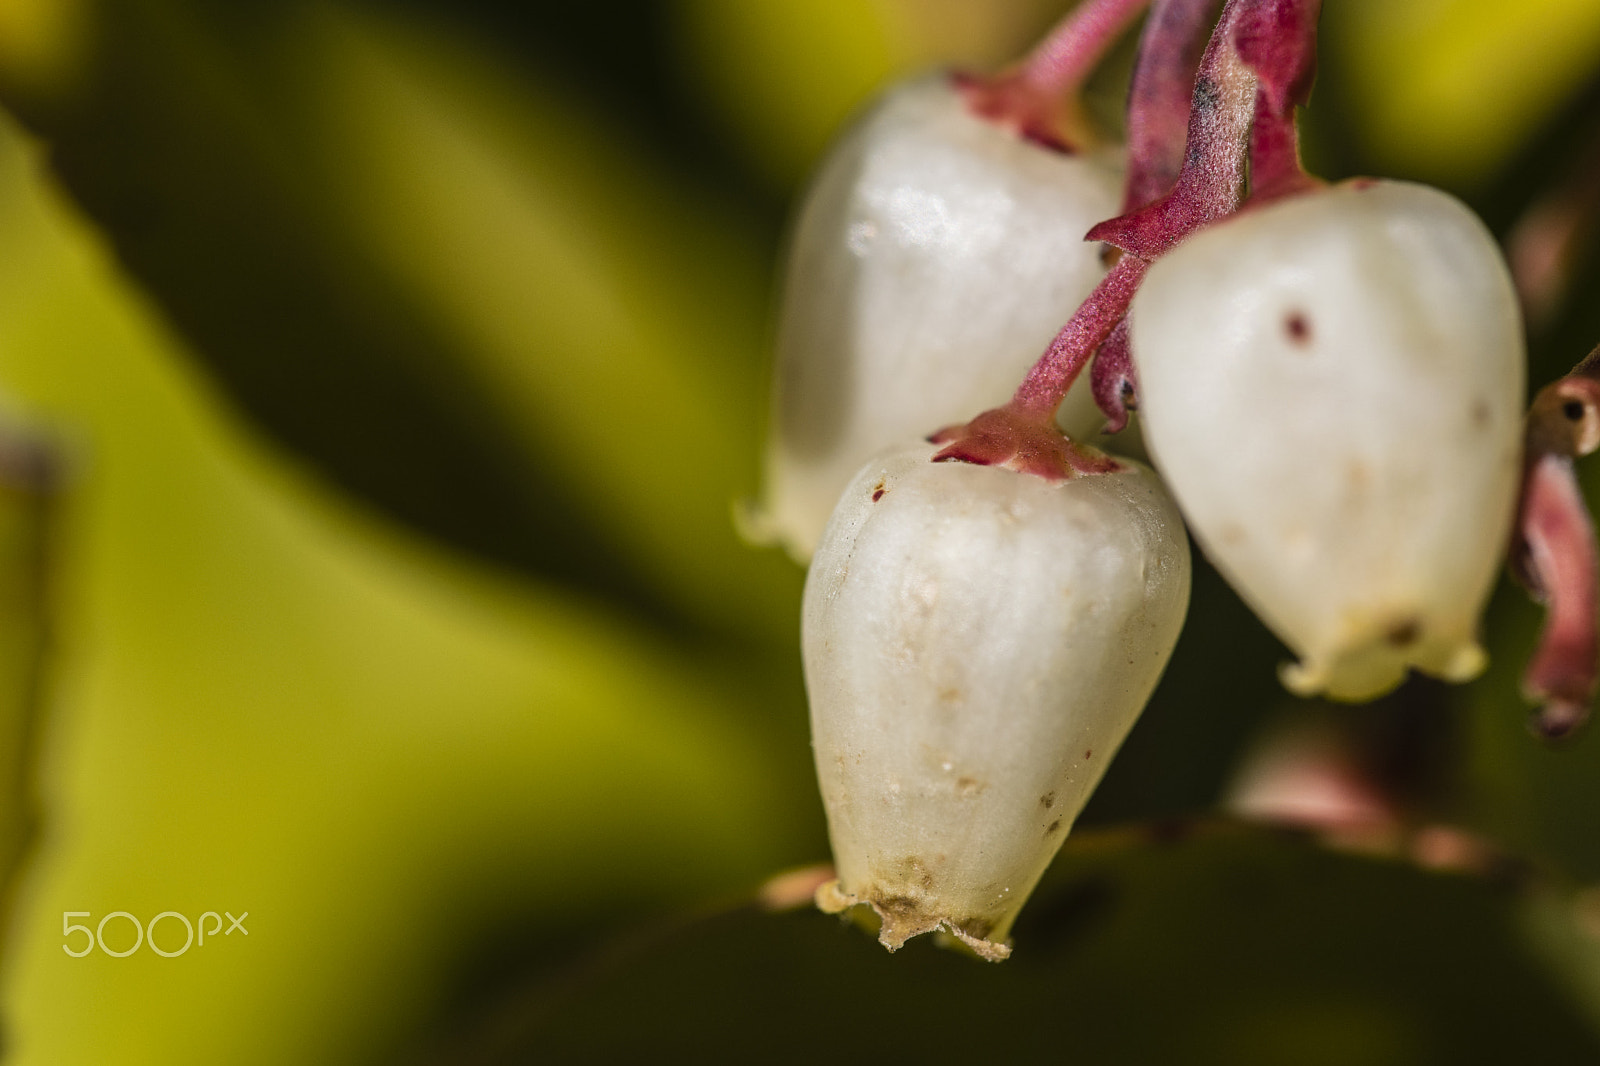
<point x="1555" y="555"/>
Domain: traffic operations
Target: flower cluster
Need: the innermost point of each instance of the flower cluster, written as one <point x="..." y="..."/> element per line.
<point x="1329" y="380"/>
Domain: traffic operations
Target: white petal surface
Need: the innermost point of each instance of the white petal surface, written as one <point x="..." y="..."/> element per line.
<point x="977" y="644"/>
<point x="933" y="261"/>
<point x="1333" y="388"/>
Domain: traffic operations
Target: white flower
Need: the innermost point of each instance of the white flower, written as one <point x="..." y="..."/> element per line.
<point x="1332" y="387"/>
<point x="977" y="644"/>
<point x="933" y="261"/>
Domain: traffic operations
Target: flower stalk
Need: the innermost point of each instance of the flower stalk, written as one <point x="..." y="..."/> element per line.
<point x="1040" y="98"/>
<point x="1170" y="49"/>
<point x="1260" y="61"/>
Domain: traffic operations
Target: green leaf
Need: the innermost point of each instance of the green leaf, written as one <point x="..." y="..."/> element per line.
<point x="449" y="286"/>
<point x="1227" y="947"/>
<point x="1447" y="91"/>
<point x="30" y="485"/>
<point x="270" y="703"/>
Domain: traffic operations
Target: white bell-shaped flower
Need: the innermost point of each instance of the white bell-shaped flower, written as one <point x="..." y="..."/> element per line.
<point x="977" y="644"/>
<point x="1332" y="386"/>
<point x="934" y="259"/>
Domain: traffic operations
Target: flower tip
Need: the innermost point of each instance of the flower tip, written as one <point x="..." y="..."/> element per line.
<point x="987" y="950"/>
<point x="902" y="918"/>
<point x="761" y="525"/>
<point x="1558" y="720"/>
<point x="1361" y="670"/>
<point x="831" y="899"/>
<point x="1345" y="678"/>
<point x="1349" y="678"/>
<point x="1465" y="663"/>
<point x="1305" y="679"/>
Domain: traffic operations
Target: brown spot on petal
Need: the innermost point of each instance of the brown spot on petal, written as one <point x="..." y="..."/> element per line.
<point x="1047" y="800"/>
<point x="1480" y="413"/>
<point x="1404" y="633"/>
<point x="909" y="870"/>
<point x="1297" y="327"/>
<point x="1053" y="827"/>
<point x="970" y="786"/>
<point x="897" y="907"/>
<point x="877" y="493"/>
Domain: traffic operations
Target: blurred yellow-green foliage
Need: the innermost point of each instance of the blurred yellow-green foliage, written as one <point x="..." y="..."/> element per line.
<point x="378" y="382"/>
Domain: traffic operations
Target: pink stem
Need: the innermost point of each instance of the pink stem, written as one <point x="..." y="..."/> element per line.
<point x="1275" y="170"/>
<point x="1046" y="385"/>
<point x="1260" y="46"/>
<point x="1279" y="36"/>
<point x="1062" y="62"/>
<point x="1158" y="100"/>
<point x="1212" y="180"/>
<point x="1279" y="42"/>
<point x="1038" y="98"/>
<point x="1561" y="554"/>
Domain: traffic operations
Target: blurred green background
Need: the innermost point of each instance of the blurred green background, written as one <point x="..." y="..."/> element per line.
<point x="377" y="385"/>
